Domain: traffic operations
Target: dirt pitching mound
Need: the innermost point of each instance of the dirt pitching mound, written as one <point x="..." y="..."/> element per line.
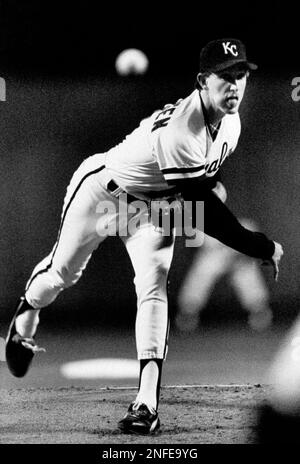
<point x="189" y="414"/>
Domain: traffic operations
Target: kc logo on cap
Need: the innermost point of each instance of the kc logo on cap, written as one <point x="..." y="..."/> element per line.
<point x="229" y="47"/>
<point x="220" y="54"/>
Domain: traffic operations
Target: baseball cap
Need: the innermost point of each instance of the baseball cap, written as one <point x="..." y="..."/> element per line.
<point x="220" y="54"/>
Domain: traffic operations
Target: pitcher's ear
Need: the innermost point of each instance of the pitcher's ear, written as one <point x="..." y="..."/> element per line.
<point x="201" y="80"/>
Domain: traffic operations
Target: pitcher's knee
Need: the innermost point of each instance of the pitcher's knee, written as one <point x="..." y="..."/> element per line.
<point x="42" y="298"/>
<point x="46" y="286"/>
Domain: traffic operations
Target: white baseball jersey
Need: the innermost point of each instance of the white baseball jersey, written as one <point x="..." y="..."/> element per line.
<point x="173" y="143"/>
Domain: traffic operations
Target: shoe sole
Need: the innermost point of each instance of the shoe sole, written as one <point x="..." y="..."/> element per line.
<point x="154" y="429"/>
<point x="15" y="353"/>
<point x="18" y="360"/>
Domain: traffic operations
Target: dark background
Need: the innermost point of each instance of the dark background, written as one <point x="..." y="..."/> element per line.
<point x="86" y="35"/>
<point x="64" y="102"/>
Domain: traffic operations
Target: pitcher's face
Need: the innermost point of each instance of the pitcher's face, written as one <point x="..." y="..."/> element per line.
<point x="225" y="89"/>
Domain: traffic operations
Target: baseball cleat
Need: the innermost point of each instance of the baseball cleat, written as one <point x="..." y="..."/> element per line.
<point x="19" y="350"/>
<point x="140" y="420"/>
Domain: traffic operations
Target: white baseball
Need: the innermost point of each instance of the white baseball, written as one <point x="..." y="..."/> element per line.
<point x="131" y="61"/>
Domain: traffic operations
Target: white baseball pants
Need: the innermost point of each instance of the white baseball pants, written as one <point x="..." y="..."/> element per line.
<point x="85" y="223"/>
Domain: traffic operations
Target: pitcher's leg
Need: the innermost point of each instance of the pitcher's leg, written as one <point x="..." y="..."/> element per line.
<point x="63" y="267"/>
<point x="59" y="270"/>
<point x="151" y="255"/>
<point x="77" y="238"/>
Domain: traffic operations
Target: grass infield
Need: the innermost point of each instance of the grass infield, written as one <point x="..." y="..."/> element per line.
<point x="198" y="414"/>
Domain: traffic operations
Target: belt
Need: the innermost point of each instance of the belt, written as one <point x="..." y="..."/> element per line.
<point x="115" y="190"/>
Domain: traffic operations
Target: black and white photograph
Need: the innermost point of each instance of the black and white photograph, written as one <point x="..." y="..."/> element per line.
<point x="150" y="276"/>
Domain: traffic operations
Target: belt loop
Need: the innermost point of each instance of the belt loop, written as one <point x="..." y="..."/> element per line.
<point x="114" y="189"/>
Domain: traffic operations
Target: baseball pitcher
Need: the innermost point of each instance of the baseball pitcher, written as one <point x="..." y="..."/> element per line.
<point x="174" y="154"/>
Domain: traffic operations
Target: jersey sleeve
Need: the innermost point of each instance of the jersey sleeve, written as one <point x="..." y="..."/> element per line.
<point x="179" y="157"/>
<point x="220" y="223"/>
